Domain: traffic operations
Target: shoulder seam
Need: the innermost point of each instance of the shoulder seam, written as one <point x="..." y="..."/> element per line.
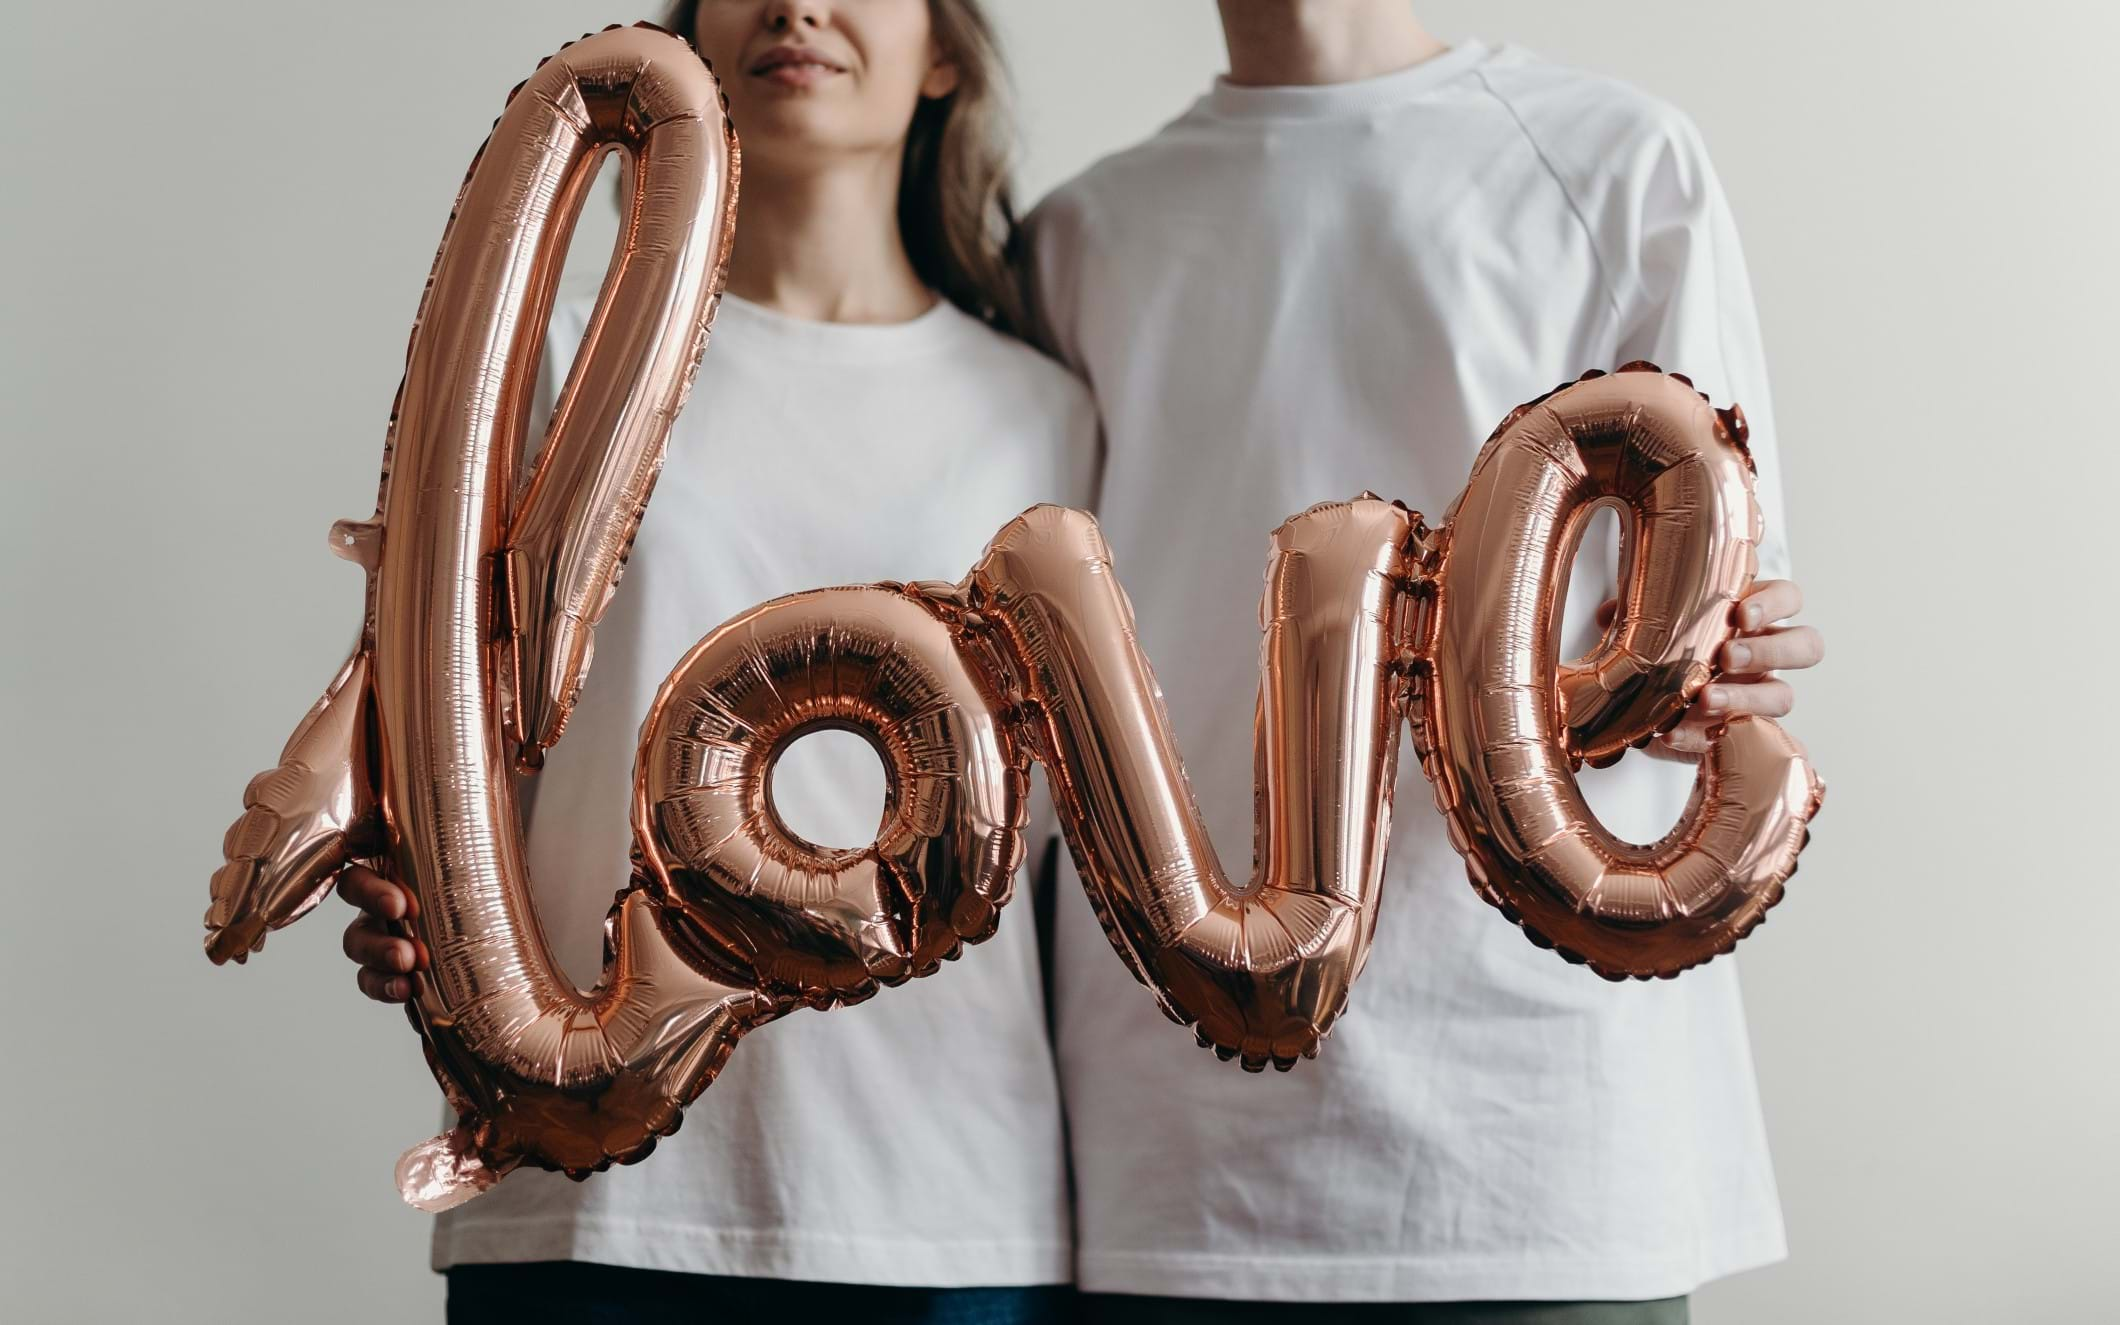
<point x="1597" y="256"/>
<point x="1082" y="198"/>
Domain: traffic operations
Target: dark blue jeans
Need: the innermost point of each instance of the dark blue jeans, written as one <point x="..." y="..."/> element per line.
<point x="573" y="1293"/>
<point x="576" y="1293"/>
<point x="1102" y="1309"/>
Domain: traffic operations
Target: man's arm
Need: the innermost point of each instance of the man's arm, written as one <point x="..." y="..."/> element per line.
<point x="1055" y="244"/>
<point x="1685" y="304"/>
<point x="1684" y="301"/>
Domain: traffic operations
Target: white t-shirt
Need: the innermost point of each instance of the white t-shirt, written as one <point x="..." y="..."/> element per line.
<point x="1286" y="296"/>
<point x="915" y="1138"/>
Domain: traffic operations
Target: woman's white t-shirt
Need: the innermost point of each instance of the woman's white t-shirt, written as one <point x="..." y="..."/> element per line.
<point x="1286" y="296"/>
<point x="915" y="1138"/>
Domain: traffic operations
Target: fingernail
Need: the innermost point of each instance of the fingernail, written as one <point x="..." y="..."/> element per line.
<point x="1740" y="655"/>
<point x="1716" y="698"/>
<point x="1753" y="615"/>
<point x="401" y="956"/>
<point x="399" y="987"/>
<point x="394" y="906"/>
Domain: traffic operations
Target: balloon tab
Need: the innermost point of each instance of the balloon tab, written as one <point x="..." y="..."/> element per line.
<point x="358" y="541"/>
<point x="443" y="1172"/>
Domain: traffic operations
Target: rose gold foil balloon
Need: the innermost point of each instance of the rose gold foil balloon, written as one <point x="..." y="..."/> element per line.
<point x="483" y="594"/>
<point x="1503" y="724"/>
<point x="820" y="926"/>
<point x="481" y="599"/>
<point x="1263" y="965"/>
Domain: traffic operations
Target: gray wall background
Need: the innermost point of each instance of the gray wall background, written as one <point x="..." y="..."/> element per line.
<point x="218" y="216"/>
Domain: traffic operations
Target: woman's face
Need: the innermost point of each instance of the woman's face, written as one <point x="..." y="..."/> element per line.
<point x="809" y="80"/>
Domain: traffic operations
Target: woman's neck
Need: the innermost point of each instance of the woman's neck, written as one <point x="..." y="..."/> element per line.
<point x="824" y="245"/>
<point x="1291" y="43"/>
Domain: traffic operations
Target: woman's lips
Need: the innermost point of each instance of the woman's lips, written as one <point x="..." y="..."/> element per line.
<point x="794" y="66"/>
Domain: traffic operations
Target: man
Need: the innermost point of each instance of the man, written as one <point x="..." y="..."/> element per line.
<point x="1339" y="270"/>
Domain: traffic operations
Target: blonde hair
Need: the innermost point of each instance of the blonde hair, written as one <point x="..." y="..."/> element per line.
<point x="956" y="210"/>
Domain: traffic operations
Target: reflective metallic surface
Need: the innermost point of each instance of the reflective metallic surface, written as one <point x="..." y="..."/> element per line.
<point x="815" y="925"/>
<point x="1262" y="966"/>
<point x="483" y="593"/>
<point x="575" y="1081"/>
<point x="481" y="600"/>
<point x="301" y="822"/>
<point x="1501" y="723"/>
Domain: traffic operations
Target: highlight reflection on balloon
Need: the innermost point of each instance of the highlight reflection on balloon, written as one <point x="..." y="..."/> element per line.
<point x="1502" y="724"/>
<point x="483" y="594"/>
<point x="481" y="600"/>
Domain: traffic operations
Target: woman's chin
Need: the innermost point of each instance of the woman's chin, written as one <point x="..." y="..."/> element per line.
<point x="789" y="133"/>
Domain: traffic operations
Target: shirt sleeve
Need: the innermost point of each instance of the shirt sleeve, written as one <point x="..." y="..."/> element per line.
<point x="1085" y="453"/>
<point x="1054" y="249"/>
<point x="1685" y="304"/>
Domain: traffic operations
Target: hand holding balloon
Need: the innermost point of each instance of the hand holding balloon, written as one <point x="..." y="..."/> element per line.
<point x="388" y="961"/>
<point x="1758" y="648"/>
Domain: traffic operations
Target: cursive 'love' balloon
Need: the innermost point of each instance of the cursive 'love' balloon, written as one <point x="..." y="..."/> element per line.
<point x="477" y="637"/>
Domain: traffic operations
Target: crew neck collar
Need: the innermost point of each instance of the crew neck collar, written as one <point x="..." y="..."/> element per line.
<point x="1329" y="101"/>
<point x="838" y="341"/>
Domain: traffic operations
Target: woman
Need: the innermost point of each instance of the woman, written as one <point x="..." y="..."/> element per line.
<point x="862" y="414"/>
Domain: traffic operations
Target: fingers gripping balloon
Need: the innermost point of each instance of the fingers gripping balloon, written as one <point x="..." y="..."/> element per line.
<point x="478" y="636"/>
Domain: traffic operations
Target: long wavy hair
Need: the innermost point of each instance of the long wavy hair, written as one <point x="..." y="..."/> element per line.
<point x="956" y="211"/>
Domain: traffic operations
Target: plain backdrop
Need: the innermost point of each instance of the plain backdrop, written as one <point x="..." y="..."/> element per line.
<point x="217" y="220"/>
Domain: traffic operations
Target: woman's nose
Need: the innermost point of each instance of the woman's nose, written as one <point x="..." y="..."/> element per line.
<point x="785" y="15"/>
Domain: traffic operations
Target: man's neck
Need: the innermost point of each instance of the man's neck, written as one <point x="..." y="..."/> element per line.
<point x="1287" y="43"/>
<point x="824" y="245"/>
